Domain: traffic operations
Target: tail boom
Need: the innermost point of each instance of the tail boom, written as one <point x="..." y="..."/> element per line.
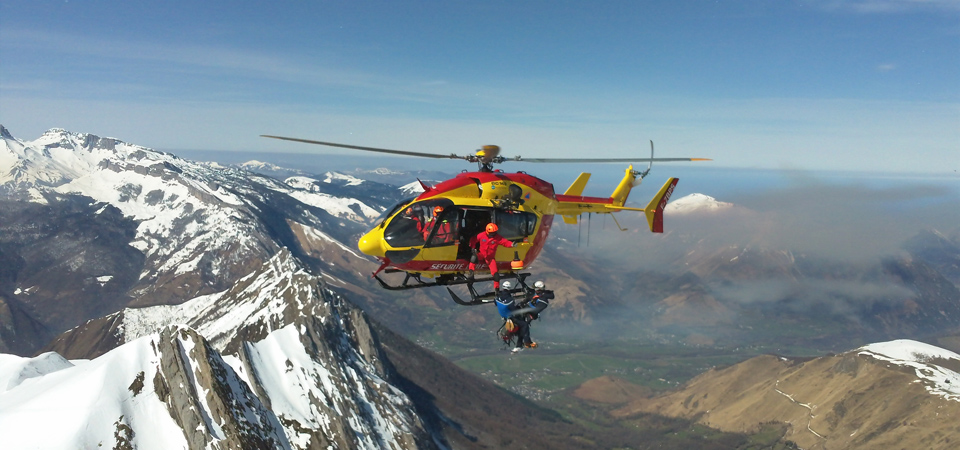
<point x="571" y="206"/>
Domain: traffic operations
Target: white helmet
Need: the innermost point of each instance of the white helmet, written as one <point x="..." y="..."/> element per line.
<point x="506" y="285"/>
<point x="538" y="285"/>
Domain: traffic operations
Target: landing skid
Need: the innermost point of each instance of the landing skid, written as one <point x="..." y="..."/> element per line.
<point x="413" y="281"/>
<point x="479" y="299"/>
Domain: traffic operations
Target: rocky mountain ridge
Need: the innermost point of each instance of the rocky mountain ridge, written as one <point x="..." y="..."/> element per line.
<point x="92" y="224"/>
<point x="897" y="394"/>
<point x="230" y="286"/>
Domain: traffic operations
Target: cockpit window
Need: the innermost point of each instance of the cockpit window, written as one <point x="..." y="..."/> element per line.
<point x="389" y="212"/>
<point x="412" y="226"/>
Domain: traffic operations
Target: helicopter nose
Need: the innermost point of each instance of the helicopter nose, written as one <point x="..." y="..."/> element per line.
<point x="371" y="245"/>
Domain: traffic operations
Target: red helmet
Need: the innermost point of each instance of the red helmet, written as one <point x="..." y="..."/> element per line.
<point x="437" y="210"/>
<point x="492" y="228"/>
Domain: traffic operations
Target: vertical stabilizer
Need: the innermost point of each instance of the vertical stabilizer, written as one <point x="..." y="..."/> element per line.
<point x="578" y="185"/>
<point x="654" y="209"/>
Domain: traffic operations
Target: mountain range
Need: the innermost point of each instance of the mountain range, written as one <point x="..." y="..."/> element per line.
<point x="896" y="394"/>
<point x="196" y="297"/>
<point x="229" y="302"/>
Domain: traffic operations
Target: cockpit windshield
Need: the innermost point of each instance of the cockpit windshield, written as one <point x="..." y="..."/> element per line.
<point x="389" y="212"/>
<point x="413" y="225"/>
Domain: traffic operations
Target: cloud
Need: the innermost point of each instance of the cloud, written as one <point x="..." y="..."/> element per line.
<point x="842" y="220"/>
<point x="840" y="297"/>
<point x="886" y="67"/>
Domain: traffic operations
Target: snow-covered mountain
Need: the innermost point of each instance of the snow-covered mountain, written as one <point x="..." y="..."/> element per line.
<point x="412" y="188"/>
<point x="298" y="354"/>
<point x="270" y="169"/>
<point x="287" y="363"/>
<point x="187" y="228"/>
<point x="209" y="306"/>
<point x="695" y="203"/>
<point x="142" y="395"/>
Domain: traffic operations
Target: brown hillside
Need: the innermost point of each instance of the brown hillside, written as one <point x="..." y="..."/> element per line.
<point x="611" y="390"/>
<point x="848" y="401"/>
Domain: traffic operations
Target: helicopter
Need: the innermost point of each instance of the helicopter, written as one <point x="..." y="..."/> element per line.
<point x="428" y="236"/>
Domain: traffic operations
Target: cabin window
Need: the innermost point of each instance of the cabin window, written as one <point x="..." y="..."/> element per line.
<point x="516" y="224"/>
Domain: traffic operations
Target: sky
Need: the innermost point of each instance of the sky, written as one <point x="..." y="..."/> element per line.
<point x="860" y="85"/>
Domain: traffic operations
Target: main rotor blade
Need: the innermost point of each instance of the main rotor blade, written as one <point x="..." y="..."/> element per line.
<point x="369" y="149"/>
<point x="601" y="160"/>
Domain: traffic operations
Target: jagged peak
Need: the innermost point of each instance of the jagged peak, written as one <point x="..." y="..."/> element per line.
<point x="144" y="392"/>
<point x="279" y="289"/>
<point x="5" y="133"/>
<point x="412" y="188"/>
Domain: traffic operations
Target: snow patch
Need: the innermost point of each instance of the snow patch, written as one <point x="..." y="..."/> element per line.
<point x="350" y="180"/>
<point x="14" y="370"/>
<point x="80" y="406"/>
<point x="925" y="359"/>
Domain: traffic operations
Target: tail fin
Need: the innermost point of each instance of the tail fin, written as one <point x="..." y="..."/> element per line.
<point x="576" y="189"/>
<point x="654" y="209"/>
<point x="578" y="185"/>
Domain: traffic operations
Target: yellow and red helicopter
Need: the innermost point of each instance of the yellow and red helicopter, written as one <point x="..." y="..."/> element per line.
<point x="428" y="236"/>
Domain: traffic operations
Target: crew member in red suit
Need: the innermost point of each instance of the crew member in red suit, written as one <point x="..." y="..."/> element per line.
<point x="444" y="229"/>
<point x="431" y="221"/>
<point x="410" y="214"/>
<point x="484" y="247"/>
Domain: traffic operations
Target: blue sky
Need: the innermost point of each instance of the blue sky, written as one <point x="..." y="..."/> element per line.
<point x="870" y="85"/>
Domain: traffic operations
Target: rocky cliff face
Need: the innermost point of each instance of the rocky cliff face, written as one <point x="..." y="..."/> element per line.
<point x="165" y="390"/>
<point x="19" y="331"/>
<point x="261" y="353"/>
<point x="304" y="352"/>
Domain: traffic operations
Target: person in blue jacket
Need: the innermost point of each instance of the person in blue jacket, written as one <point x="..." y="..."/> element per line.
<point x="539" y="299"/>
<point x="509" y="309"/>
